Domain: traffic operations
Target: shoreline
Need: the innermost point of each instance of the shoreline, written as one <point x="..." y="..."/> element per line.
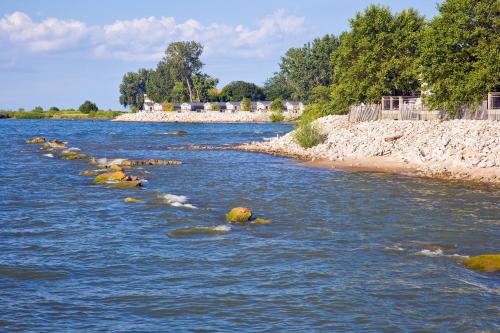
<point x="207" y="117"/>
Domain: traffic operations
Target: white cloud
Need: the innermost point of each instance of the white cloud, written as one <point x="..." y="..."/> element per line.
<point x="48" y="35"/>
<point x="146" y="38"/>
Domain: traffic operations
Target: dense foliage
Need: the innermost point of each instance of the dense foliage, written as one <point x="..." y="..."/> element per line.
<point x="88" y="107"/>
<point x="460" y="59"/>
<point x="133" y="88"/>
<point x="237" y="90"/>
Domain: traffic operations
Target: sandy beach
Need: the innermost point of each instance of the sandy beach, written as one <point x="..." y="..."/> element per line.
<point x="455" y="149"/>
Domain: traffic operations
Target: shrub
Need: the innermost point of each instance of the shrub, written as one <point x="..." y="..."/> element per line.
<point x="166" y="106"/>
<point x="133" y="109"/>
<point x="30" y="115"/>
<point x="88" y="107"/>
<point x="307" y="135"/>
<point x="215" y="106"/>
<point x="276" y="117"/>
<point x="37" y="109"/>
<point x="276" y="105"/>
<point x="246" y="105"/>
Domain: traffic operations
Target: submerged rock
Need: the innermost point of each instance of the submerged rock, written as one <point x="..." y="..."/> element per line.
<point x="72" y="155"/>
<point x="110" y="176"/>
<point x="125" y="184"/>
<point x="151" y="162"/>
<point x="177" y="133"/>
<point x="262" y="221"/>
<point x="132" y="200"/>
<point x="57" y="144"/>
<point x="36" y="140"/>
<point x="88" y="173"/>
<point x="239" y="215"/>
<point x="484" y="263"/>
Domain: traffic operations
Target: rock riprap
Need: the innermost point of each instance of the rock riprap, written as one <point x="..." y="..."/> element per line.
<point x="239" y="215"/>
<point x="485" y="263"/>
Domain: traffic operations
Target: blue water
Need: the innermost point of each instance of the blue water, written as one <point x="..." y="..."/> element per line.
<point x="345" y="251"/>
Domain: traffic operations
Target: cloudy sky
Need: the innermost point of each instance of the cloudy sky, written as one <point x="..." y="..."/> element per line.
<point x="64" y="52"/>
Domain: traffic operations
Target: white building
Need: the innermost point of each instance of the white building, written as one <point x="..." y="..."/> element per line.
<point x="148" y="104"/>
<point x="232" y="106"/>
<point x="185" y="107"/>
<point x="207" y="106"/>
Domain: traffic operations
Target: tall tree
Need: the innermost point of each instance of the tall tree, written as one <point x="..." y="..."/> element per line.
<point x="460" y="60"/>
<point x="377" y="57"/>
<point x="304" y="68"/>
<point x="183" y="59"/>
<point x="160" y="84"/>
<point x="237" y="90"/>
<point x="133" y="88"/>
<point x="203" y="85"/>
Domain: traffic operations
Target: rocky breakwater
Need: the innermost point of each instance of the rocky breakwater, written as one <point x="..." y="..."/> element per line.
<point x="460" y="149"/>
<point x="196" y="117"/>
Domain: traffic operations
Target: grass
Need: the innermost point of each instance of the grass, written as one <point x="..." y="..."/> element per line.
<point x="308" y="135"/>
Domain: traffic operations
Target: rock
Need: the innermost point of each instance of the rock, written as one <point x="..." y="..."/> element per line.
<point x="393" y="138"/>
<point x="115" y="167"/>
<point x="177" y="133"/>
<point x="262" y="221"/>
<point x="132" y="200"/>
<point x="111" y="176"/>
<point x="36" y="140"/>
<point x="92" y="160"/>
<point x="239" y="215"/>
<point x="484" y="263"/>
<point x="88" y="173"/>
<point x="72" y="155"/>
<point x="125" y="184"/>
<point x="57" y="144"/>
<point x="151" y="162"/>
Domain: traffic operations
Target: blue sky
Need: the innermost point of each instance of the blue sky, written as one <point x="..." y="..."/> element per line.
<point x="64" y="52"/>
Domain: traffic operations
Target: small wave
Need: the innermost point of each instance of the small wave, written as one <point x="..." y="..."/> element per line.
<point x="24" y="273"/>
<point x="439" y="253"/>
<point x="73" y="148"/>
<point x="177" y="201"/>
<point x="49" y="155"/>
<point x="215" y="230"/>
<point x="105" y="161"/>
<point x="257" y="132"/>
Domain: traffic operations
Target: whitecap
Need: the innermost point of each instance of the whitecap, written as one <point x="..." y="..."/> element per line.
<point x="73" y="148"/>
<point x="177" y="201"/>
<point x="214" y="230"/>
<point x="49" y="155"/>
<point x="439" y="253"/>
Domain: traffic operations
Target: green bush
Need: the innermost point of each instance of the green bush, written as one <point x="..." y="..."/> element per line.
<point x="88" y="107"/>
<point x="30" y="115"/>
<point x="276" y="105"/>
<point x="215" y="106"/>
<point x="307" y="135"/>
<point x="167" y="106"/>
<point x="246" y="105"/>
<point x="37" y="109"/>
<point x="276" y="117"/>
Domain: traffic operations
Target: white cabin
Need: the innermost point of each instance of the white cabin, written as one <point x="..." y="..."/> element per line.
<point x="148" y="105"/>
<point x="207" y="106"/>
<point x="232" y="106"/>
<point x="157" y="107"/>
<point x="185" y="107"/>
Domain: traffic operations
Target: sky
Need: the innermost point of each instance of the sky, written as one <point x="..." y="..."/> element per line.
<point x="61" y="53"/>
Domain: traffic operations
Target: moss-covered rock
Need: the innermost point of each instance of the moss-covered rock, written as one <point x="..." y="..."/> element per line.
<point x="132" y="200"/>
<point x="36" y="140"/>
<point x="115" y="167"/>
<point x="262" y="221"/>
<point x="88" y="173"/>
<point x="110" y="176"/>
<point x="239" y="215"/>
<point x="72" y="155"/>
<point x="484" y="263"/>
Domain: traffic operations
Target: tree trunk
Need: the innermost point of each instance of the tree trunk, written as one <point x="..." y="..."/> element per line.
<point x="190" y="92"/>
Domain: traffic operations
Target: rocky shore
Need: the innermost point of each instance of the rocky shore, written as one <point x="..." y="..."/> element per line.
<point x="459" y="149"/>
<point x="197" y="117"/>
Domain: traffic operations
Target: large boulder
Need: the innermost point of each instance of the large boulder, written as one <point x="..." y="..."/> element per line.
<point x="37" y="140"/>
<point x="484" y="263"/>
<point x="72" y="155"/>
<point x="239" y="215"/>
<point x="126" y="184"/>
<point x="118" y="176"/>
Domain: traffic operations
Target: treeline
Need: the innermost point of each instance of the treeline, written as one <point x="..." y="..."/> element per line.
<point x="178" y="77"/>
<point x="87" y="109"/>
<point x="454" y="58"/>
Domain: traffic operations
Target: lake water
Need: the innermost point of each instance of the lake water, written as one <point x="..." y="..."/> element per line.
<point x="345" y="251"/>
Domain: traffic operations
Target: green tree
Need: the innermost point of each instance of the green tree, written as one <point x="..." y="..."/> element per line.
<point x="237" y="90"/>
<point x="203" y="85"/>
<point x="246" y="104"/>
<point x="460" y="54"/>
<point x="37" y="109"/>
<point x="276" y="105"/>
<point x="54" y="109"/>
<point x="179" y="93"/>
<point x="88" y="107"/>
<point x="302" y="69"/>
<point x="160" y="83"/>
<point x="377" y="57"/>
<point x="133" y="88"/>
<point x="183" y="59"/>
